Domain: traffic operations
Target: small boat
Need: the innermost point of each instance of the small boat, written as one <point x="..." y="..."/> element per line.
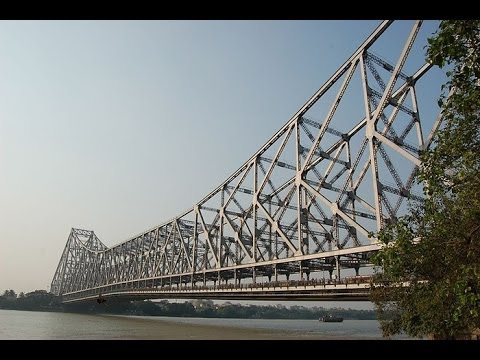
<point x="330" y="318"/>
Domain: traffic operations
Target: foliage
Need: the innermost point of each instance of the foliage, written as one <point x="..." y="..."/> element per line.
<point x="430" y="280"/>
<point x="10" y="294"/>
<point x="38" y="300"/>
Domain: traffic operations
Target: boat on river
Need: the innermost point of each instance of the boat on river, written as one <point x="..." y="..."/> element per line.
<point x="330" y="318"/>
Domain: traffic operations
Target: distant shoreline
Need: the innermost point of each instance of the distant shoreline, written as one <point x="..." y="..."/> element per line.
<point x="40" y="300"/>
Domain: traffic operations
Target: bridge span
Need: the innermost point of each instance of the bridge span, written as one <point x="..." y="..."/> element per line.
<point x="296" y="220"/>
<point x="350" y="289"/>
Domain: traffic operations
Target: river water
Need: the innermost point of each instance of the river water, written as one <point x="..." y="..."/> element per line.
<point x="51" y="325"/>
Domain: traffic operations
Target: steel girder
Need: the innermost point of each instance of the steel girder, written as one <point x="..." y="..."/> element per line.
<point x="306" y="201"/>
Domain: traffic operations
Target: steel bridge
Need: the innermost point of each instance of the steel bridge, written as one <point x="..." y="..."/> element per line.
<point x="295" y="221"/>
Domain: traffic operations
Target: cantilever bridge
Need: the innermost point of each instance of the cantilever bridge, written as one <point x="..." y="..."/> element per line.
<point x="301" y="207"/>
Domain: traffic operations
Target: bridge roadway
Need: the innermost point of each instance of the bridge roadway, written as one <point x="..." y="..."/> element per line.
<point x="346" y="289"/>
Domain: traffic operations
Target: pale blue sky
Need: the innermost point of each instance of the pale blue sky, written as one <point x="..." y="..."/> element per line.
<point x="117" y="126"/>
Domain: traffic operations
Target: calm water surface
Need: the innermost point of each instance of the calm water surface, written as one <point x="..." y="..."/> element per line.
<point x="50" y="325"/>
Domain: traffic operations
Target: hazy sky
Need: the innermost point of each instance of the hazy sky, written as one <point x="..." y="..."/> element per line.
<point x="117" y="126"/>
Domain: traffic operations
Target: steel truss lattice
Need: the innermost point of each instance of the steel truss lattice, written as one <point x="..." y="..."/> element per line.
<point x="305" y="202"/>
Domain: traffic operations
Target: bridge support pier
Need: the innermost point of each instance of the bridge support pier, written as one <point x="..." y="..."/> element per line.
<point x="337" y="266"/>
<point x="254" y="276"/>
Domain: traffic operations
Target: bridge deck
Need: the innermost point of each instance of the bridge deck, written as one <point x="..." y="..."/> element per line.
<point x="293" y="290"/>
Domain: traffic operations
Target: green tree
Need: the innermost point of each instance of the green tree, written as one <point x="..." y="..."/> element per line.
<point x="430" y="279"/>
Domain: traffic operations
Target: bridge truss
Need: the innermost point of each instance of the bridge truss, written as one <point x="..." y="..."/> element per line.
<point x="305" y="203"/>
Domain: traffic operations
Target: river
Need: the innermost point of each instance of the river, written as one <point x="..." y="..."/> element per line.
<point x="51" y="326"/>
